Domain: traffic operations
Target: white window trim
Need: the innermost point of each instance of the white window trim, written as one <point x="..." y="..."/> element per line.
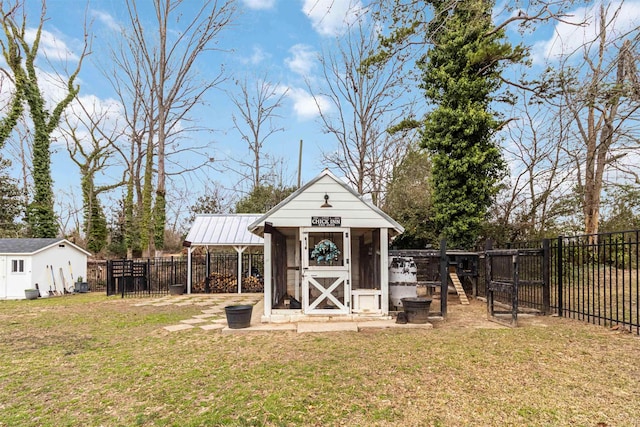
<point x="17" y="266"/>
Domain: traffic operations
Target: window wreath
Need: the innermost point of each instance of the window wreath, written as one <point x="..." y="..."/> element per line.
<point x="325" y="251"/>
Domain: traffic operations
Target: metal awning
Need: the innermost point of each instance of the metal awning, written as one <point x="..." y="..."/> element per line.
<point x="222" y="230"/>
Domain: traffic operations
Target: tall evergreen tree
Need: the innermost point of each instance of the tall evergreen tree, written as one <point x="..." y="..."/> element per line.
<point x="461" y="75"/>
<point x="408" y="201"/>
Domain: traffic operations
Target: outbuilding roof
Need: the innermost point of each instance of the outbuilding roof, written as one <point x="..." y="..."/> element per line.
<point x="223" y="230"/>
<point x="258" y="225"/>
<point x="32" y="246"/>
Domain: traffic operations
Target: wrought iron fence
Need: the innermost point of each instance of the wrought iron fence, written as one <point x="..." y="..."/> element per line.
<point x="210" y="273"/>
<point x="593" y="278"/>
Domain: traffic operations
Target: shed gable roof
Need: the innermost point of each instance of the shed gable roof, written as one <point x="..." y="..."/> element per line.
<point x="223" y="230"/>
<point x="344" y="200"/>
<point x="34" y="245"/>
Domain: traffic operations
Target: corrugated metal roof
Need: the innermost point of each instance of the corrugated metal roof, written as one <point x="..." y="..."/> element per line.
<point x="223" y="230"/>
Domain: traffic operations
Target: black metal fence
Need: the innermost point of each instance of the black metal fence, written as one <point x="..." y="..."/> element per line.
<point x="210" y="273"/>
<point x="593" y="278"/>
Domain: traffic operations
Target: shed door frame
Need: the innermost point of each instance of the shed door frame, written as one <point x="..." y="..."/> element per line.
<point x="332" y="282"/>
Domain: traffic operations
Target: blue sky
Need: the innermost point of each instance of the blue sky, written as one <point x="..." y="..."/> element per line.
<point x="278" y="38"/>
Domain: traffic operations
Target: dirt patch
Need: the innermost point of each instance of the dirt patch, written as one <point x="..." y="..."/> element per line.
<point x="475" y="316"/>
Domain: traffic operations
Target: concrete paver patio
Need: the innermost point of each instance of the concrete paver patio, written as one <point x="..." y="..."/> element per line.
<point x="213" y="316"/>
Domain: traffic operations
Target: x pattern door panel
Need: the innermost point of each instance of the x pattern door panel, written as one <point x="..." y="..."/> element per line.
<point x="326" y="271"/>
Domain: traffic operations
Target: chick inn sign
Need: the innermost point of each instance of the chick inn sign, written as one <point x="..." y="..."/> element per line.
<point x="326" y="221"/>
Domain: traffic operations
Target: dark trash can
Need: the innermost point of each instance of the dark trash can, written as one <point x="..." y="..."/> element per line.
<point x="416" y="309"/>
<point x="238" y="316"/>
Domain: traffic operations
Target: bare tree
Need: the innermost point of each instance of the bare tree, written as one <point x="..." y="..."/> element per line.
<point x="27" y="78"/>
<point x="601" y="97"/>
<point x="157" y="79"/>
<point x="91" y="143"/>
<point x="11" y="83"/>
<point x="256" y="107"/>
<point x="539" y="171"/>
<point x="365" y="102"/>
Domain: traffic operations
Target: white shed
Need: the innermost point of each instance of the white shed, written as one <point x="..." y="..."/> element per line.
<point x="51" y="265"/>
<point x="325" y="253"/>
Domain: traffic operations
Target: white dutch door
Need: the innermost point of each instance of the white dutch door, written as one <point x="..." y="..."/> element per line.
<point x="326" y="271"/>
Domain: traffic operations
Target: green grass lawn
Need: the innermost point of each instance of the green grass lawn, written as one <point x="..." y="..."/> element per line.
<point x="89" y="360"/>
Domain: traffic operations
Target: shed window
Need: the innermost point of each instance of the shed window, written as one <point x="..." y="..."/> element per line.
<point x="17" y="266"/>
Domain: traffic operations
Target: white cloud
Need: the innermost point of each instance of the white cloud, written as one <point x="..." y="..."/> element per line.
<point x="50" y="46"/>
<point x="106" y="19"/>
<point x="108" y="110"/>
<point x="257" y="56"/>
<point x="302" y="59"/>
<point x="568" y="38"/>
<point x="332" y="17"/>
<point x="259" y="4"/>
<point x="304" y="104"/>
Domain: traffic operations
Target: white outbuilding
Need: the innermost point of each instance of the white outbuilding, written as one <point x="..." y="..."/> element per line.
<point x="51" y="265"/>
<point x="325" y="253"/>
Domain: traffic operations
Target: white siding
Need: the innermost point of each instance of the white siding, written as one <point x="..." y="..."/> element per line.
<point x="352" y="210"/>
<point x="65" y="259"/>
<point x="3" y="277"/>
<point x="17" y="282"/>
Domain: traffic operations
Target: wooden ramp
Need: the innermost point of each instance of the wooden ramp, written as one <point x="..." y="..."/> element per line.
<point x="456" y="283"/>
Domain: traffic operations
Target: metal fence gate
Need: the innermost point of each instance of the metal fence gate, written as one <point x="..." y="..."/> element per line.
<point x="517" y="281"/>
<point x="127" y="276"/>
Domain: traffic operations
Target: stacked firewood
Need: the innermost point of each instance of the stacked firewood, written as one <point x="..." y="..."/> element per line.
<point x="252" y="284"/>
<point x="227" y="283"/>
<point x="218" y="283"/>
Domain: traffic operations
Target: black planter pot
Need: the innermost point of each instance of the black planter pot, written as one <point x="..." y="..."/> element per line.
<point x="416" y="309"/>
<point x="238" y="316"/>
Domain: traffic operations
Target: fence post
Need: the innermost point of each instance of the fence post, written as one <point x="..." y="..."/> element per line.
<point x="559" y="274"/>
<point x="148" y="275"/>
<point x="109" y="281"/>
<point x="487" y="277"/>
<point x="444" y="277"/>
<point x="514" y="291"/>
<point x="123" y="282"/>
<point x="546" y="276"/>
